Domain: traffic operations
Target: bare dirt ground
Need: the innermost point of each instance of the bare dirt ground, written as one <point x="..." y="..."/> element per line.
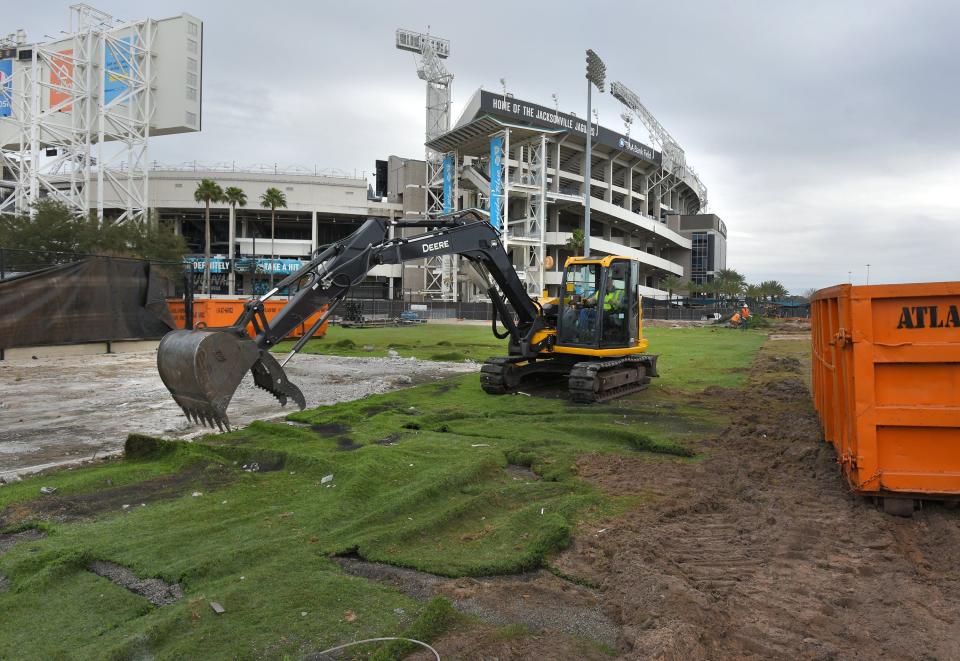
<point x="757" y="552"/>
<point x="62" y="410"/>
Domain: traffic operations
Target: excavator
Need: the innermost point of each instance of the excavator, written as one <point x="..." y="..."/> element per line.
<point x="591" y="335"/>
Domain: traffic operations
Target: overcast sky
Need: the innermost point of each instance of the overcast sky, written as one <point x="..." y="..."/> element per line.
<point x="828" y="133"/>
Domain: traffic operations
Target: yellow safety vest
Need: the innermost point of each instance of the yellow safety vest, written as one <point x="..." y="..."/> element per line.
<point x="613" y="299"/>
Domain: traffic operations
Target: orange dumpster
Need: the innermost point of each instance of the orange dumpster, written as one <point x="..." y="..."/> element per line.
<point x="217" y="312"/>
<point x="886" y="384"/>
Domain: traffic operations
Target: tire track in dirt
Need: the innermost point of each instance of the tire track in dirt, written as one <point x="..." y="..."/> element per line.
<point x="760" y="551"/>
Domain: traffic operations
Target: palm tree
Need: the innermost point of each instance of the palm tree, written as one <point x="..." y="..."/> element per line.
<point x="207" y="191"/>
<point x="729" y="282"/>
<point x="234" y="197"/>
<point x="754" y="292"/>
<point x="673" y="283"/>
<point x="575" y="242"/>
<point x="272" y="199"/>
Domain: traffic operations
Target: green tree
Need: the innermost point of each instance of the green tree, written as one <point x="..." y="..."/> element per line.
<point x="575" y="242"/>
<point x="235" y="197"/>
<point x="207" y="191"/>
<point x="273" y="199"/>
<point x="753" y="292"/>
<point x="54" y="229"/>
<point x="729" y="283"/>
<point x="674" y="283"/>
<point x="774" y="290"/>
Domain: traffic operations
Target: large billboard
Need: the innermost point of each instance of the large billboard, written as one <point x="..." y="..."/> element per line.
<point x="6" y="87"/>
<point x="176" y="58"/>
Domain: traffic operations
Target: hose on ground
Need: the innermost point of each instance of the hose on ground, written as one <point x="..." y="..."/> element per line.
<point x="376" y="640"/>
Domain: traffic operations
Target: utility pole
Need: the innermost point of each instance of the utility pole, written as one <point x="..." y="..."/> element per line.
<point x="868" y="274"/>
<point x="596" y="75"/>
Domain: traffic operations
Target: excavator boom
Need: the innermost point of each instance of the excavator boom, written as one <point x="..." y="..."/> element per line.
<point x="202" y="369"/>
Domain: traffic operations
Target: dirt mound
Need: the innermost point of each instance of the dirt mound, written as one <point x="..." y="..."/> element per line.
<point x="760" y="551"/>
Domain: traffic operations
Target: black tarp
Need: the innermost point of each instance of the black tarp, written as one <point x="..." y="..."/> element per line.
<point x="93" y="300"/>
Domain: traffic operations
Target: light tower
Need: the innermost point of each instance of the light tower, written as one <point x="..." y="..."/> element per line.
<point x="441" y="273"/>
<point x="675" y="168"/>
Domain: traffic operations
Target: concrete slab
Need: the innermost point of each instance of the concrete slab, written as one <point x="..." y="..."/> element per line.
<point x="66" y="409"/>
<point x="58" y="351"/>
<point x="133" y="346"/>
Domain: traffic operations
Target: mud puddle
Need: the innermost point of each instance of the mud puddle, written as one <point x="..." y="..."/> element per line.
<point x="63" y="410"/>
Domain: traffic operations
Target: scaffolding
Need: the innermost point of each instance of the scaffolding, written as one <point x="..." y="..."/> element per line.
<point x="440" y="273"/>
<point x="100" y="84"/>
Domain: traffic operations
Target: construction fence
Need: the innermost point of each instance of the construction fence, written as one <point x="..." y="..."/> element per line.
<point x="55" y="298"/>
<point x="357" y="308"/>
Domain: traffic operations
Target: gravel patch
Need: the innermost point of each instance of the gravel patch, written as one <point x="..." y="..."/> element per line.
<point x="157" y="591"/>
<point x="536" y="599"/>
<point x="9" y="539"/>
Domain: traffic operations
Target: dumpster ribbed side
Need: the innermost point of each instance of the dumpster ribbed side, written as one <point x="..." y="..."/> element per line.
<point x="886" y="384"/>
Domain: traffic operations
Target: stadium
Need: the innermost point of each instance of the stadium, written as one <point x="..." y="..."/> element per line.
<point x="521" y="163"/>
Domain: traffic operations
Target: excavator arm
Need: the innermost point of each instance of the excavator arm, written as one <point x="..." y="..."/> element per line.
<point x="203" y="368"/>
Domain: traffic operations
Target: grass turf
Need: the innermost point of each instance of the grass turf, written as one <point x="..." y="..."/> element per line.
<point x="421" y="477"/>
<point x="691" y="358"/>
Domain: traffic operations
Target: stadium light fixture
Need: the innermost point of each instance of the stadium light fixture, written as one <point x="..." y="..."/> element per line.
<point x="596" y="75"/>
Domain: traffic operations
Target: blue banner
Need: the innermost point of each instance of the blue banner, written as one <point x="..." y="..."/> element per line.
<point x="496" y="181"/>
<point x="117" y="58"/>
<point x="448" y="183"/>
<point x="6" y="87"/>
<point x="248" y="265"/>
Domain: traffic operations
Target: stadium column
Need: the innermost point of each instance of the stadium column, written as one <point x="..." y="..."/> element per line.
<point x="555" y="183"/>
<point x="608" y="174"/>
<point x="628" y="184"/>
<point x="231" y="249"/>
<point x="313" y="231"/>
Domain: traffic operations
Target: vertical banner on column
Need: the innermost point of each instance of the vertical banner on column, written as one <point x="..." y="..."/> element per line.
<point x="496" y="181"/>
<point x="118" y="67"/>
<point x="61" y="79"/>
<point x="6" y="87"/>
<point x="448" y="183"/>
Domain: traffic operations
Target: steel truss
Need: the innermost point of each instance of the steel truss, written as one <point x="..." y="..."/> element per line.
<point x="528" y="234"/>
<point x="440" y="274"/>
<point x="61" y="160"/>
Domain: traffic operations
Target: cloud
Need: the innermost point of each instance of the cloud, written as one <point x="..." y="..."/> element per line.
<point x="826" y="131"/>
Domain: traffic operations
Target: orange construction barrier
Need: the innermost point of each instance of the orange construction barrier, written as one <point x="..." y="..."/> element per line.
<point x="886" y="383"/>
<point x="217" y="312"/>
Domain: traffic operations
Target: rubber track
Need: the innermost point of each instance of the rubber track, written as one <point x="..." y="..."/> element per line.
<point x="493" y="375"/>
<point x="584" y="377"/>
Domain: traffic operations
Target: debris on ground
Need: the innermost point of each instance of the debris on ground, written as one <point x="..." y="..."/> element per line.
<point x="217" y="608"/>
<point x="48" y="490"/>
<point x="155" y="590"/>
<point x="7" y="540"/>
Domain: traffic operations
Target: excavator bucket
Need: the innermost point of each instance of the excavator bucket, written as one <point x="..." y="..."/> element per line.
<point x="203" y="368"/>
